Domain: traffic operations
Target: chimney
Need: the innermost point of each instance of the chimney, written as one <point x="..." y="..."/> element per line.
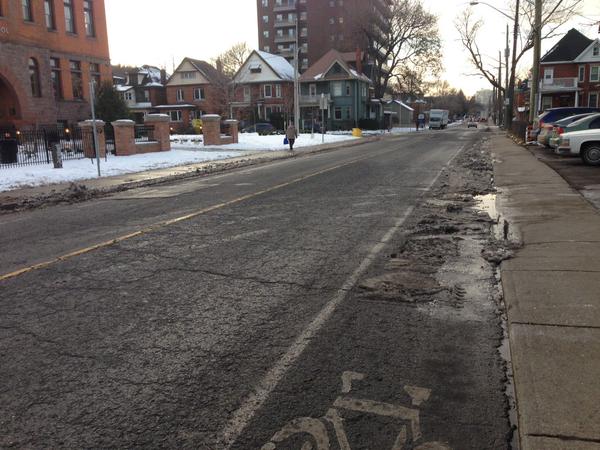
<point x="219" y="65"/>
<point x="133" y="77"/>
<point x="359" y="67"/>
<point x="163" y="76"/>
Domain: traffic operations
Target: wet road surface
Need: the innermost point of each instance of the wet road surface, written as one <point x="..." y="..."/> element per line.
<point x="220" y="330"/>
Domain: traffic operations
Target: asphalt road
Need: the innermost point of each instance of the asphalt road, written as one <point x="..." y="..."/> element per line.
<point x="217" y="330"/>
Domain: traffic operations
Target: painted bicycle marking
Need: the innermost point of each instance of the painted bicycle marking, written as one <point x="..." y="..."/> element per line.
<point x="316" y="434"/>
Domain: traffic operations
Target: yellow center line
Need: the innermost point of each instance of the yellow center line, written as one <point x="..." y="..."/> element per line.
<point x="165" y="223"/>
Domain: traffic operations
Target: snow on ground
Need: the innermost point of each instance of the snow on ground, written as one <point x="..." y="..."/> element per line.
<point x="185" y="150"/>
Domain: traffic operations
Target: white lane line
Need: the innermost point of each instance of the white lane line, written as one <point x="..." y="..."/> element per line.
<point x="259" y="394"/>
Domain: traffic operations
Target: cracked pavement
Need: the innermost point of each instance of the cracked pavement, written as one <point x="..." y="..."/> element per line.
<point x="156" y="341"/>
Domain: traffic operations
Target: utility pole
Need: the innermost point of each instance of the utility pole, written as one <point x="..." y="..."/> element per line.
<point x="296" y="84"/>
<point x="537" y="50"/>
<point x="513" y="69"/>
<point x="499" y="87"/>
<point x="505" y="104"/>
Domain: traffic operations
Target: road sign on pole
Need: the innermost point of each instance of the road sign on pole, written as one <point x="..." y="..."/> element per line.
<point x="95" y="132"/>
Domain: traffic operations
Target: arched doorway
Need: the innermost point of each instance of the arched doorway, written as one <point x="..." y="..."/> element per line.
<point x="10" y="109"/>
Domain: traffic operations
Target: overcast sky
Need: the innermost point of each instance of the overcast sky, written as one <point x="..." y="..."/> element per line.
<point x="147" y="32"/>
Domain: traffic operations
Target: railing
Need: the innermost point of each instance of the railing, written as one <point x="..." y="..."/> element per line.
<point x="144" y="133"/>
<point x="559" y="84"/>
<point x="284" y="23"/>
<point x="285" y="6"/>
<point x="28" y="147"/>
<point x="313" y="100"/>
<point x="285" y="38"/>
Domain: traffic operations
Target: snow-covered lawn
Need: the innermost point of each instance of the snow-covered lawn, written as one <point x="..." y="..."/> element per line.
<point x="185" y="150"/>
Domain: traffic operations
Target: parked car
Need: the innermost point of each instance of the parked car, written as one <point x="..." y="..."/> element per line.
<point x="262" y="129"/>
<point x="471" y="123"/>
<point x="549" y="129"/>
<point x="585" y="143"/>
<point x="554" y="115"/>
<point x="585" y="122"/>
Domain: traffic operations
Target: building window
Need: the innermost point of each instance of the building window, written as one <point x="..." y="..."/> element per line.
<point x="348" y="89"/>
<point x="595" y="73"/>
<point x="268" y="91"/>
<point x="348" y="113"/>
<point x="265" y="3"/>
<point x="199" y="94"/>
<point x="49" y="14"/>
<point x="278" y="90"/>
<point x="34" y="78"/>
<point x="337" y="89"/>
<point x="593" y="100"/>
<point x="303" y="15"/>
<point x="331" y="20"/>
<point x="265" y="19"/>
<point x="581" y="74"/>
<point x="267" y="48"/>
<point x="175" y="116"/>
<point x="337" y="113"/>
<point x="546" y="103"/>
<point x="246" y="93"/>
<point x="128" y="95"/>
<point x="56" y="78"/>
<point x="76" y="79"/>
<point x="27" y="11"/>
<point x="341" y="20"/>
<point x="69" y="16"/>
<point x="596" y="51"/>
<point x="179" y="95"/>
<point x="548" y="74"/>
<point x="188" y="75"/>
<point x="95" y="74"/>
<point x="312" y="90"/>
<point x="266" y="34"/>
<point x="88" y="18"/>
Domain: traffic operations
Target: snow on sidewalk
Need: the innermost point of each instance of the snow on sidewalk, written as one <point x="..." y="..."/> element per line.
<point x="184" y="150"/>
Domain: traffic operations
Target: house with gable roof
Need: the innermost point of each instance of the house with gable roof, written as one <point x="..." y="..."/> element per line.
<point x="570" y="73"/>
<point x="263" y="89"/>
<point x="142" y="89"/>
<point x="195" y="88"/>
<point x="345" y="88"/>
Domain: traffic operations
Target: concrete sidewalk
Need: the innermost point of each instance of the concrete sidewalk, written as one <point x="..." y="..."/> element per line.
<point x="552" y="294"/>
<point x="48" y="194"/>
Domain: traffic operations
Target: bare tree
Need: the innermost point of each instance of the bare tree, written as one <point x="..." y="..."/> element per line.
<point x="555" y="14"/>
<point x="232" y="59"/>
<point x="403" y="44"/>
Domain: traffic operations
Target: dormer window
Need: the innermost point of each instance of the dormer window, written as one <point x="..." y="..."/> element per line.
<point x="596" y="50"/>
<point x="255" y="68"/>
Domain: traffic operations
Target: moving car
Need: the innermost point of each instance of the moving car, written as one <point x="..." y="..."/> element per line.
<point x="585" y="122"/>
<point x="471" y="123"/>
<point x="260" y="128"/>
<point x="585" y="143"/>
<point x="554" y="115"/>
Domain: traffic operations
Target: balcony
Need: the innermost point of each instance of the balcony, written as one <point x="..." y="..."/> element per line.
<point x="284" y="23"/>
<point x="558" y="85"/>
<point x="285" y="6"/>
<point x="312" y="100"/>
<point x="285" y="38"/>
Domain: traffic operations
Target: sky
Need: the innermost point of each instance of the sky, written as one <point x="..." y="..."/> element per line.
<point x="146" y="32"/>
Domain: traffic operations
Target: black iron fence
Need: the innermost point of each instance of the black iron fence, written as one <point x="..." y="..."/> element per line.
<point x="33" y="146"/>
<point x="144" y="133"/>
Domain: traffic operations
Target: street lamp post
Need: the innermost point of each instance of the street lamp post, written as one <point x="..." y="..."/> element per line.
<point x="510" y="88"/>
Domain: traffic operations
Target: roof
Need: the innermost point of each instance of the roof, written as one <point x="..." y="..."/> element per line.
<point x="319" y="70"/>
<point x="279" y="64"/>
<point x="401" y="103"/>
<point x="568" y="48"/>
<point x="212" y="74"/>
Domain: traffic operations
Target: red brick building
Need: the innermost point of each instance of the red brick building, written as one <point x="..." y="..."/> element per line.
<point x="195" y="88"/>
<point x="322" y="25"/>
<point x="570" y="73"/>
<point x="263" y="86"/>
<point x="49" y="51"/>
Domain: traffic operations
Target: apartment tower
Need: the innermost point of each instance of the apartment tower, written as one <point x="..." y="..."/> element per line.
<point x="322" y="25"/>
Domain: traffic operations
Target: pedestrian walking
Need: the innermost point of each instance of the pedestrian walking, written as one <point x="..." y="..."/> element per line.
<point x="291" y="135"/>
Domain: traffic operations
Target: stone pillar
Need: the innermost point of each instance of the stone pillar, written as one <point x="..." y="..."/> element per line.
<point x="233" y="129"/>
<point x="87" y="136"/>
<point x="124" y="137"/>
<point x="211" y="129"/>
<point x="162" y="129"/>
